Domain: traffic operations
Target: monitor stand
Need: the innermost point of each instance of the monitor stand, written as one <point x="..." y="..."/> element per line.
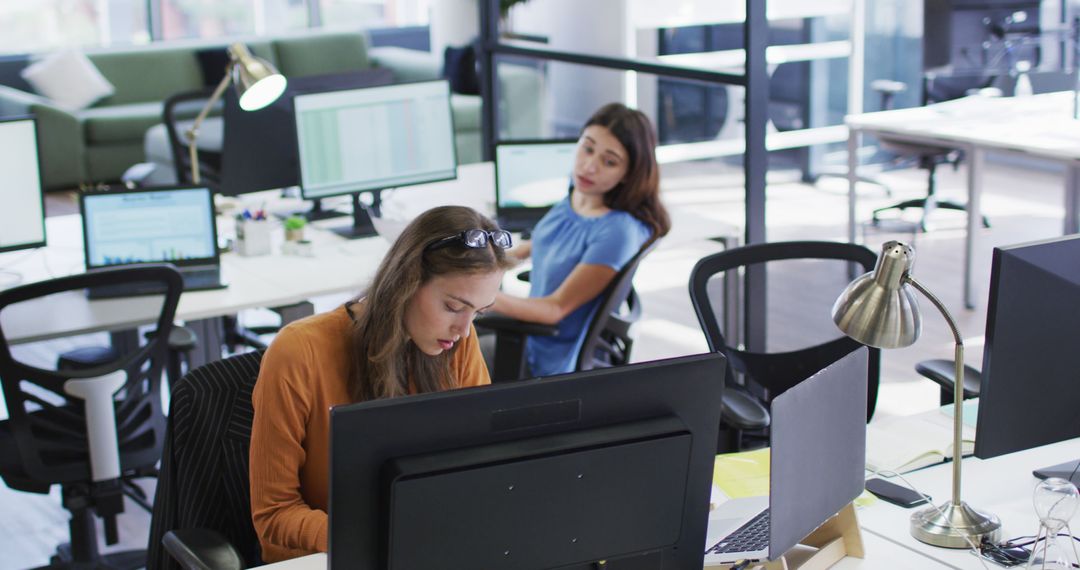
<point x="1068" y="471"/>
<point x="314" y="214"/>
<point x="362" y="225"/>
<point x="317" y="212"/>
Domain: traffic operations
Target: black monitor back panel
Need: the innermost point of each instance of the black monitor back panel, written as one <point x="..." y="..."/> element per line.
<point x="1030" y="394"/>
<point x="260" y="146"/>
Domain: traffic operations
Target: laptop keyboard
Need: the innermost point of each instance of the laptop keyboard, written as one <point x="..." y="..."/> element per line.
<point x="201" y="278"/>
<point x="750" y="537"/>
<point x="194" y="279"/>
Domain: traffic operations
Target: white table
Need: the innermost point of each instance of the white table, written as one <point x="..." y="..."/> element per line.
<point x="339" y="266"/>
<point x="1001" y="486"/>
<point x="1040" y="126"/>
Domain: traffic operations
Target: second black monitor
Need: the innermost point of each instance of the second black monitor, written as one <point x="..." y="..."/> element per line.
<point x="1030" y="394"/>
<point x="530" y="177"/>
<point x="368" y="140"/>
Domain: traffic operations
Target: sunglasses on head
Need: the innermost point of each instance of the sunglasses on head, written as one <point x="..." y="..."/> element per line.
<point x="475" y="239"/>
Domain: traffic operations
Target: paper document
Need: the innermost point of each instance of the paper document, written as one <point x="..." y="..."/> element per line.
<point x="743" y="474"/>
<point x="908" y="443"/>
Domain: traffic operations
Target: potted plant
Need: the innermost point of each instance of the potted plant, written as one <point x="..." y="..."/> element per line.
<point x="294" y="228"/>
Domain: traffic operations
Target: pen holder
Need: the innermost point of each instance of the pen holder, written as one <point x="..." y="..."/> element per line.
<point x="253" y="237"/>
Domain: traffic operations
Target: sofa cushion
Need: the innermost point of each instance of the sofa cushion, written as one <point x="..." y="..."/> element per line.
<point x="69" y="79"/>
<point x="119" y="123"/>
<point x="466" y="111"/>
<point x="213" y="60"/>
<point x="321" y="54"/>
<point x="148" y="74"/>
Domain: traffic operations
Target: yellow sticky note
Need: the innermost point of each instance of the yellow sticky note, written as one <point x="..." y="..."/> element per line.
<point x="743" y="474"/>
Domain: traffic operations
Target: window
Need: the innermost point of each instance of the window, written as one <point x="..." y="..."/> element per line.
<point x="46" y="25"/>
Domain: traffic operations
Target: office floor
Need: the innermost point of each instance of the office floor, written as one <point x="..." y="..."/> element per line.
<point x="706" y="200"/>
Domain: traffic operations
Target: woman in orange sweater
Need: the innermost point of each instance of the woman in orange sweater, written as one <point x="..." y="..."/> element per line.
<point x="410" y="333"/>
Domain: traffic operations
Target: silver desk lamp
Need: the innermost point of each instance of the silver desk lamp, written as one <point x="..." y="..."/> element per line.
<point x="879" y="309"/>
<point x="257" y="84"/>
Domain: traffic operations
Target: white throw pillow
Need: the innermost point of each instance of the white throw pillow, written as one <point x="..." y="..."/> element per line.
<point x="69" y="79"/>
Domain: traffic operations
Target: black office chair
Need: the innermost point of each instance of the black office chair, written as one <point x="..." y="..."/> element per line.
<point x="202" y="508"/>
<point x="178" y="115"/>
<point x="90" y="431"/>
<point x="926" y="156"/>
<point x="608" y="339"/>
<point x="764" y="375"/>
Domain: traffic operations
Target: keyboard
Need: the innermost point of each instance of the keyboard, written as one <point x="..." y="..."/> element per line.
<point x="194" y="280"/>
<point x="750" y="537"/>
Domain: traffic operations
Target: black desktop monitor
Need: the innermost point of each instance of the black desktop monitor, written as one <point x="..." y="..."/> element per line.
<point x="20" y="185"/>
<point x="260" y="146"/>
<point x="530" y="177"/>
<point x="1030" y="394"/>
<point x="368" y="140"/>
<point x="611" y="464"/>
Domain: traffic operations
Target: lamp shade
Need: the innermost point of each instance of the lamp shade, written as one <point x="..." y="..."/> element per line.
<point x="256" y="81"/>
<point x="879" y="308"/>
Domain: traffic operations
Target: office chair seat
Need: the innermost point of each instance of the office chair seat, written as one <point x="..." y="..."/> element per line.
<point x="86" y="357"/>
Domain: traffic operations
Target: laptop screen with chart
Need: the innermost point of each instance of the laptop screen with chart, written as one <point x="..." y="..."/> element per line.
<point x="530" y="177"/>
<point x="167" y="225"/>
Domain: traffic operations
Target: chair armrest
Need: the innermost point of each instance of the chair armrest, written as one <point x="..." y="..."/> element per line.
<point x="202" y="549"/>
<point x="944" y="373"/>
<point x="742" y="411"/>
<point x="407" y="64"/>
<point x="502" y="323"/>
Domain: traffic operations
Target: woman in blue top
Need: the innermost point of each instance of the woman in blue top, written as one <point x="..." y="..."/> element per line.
<point x="612" y="211"/>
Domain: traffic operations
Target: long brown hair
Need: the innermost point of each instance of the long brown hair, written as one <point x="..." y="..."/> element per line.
<point x="639" y="191"/>
<point x="384" y="361"/>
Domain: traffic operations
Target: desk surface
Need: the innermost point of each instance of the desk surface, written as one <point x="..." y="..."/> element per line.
<point x="1040" y="124"/>
<point x="1002" y="486"/>
<point x="339" y="266"/>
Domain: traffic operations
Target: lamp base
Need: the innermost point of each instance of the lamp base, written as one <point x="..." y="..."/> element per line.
<point x="954" y="526"/>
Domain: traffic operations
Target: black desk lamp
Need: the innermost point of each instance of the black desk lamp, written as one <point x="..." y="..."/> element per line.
<point x="257" y="85"/>
<point x="879" y="309"/>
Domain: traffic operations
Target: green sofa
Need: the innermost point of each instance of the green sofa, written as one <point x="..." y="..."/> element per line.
<point x="99" y="143"/>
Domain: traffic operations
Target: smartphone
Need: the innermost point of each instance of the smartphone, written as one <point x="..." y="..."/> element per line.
<point x="1005" y="556"/>
<point x="895" y="494"/>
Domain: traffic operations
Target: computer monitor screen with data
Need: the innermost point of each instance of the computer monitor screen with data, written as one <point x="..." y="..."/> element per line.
<point x="1030" y="393"/>
<point x="174" y="225"/>
<point x="367" y="140"/>
<point x="530" y="177"/>
<point x="562" y="472"/>
<point x="20" y="186"/>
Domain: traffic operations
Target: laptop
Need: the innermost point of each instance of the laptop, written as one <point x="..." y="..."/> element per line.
<point x="530" y="177"/>
<point x="817" y="459"/>
<point x="171" y="225"/>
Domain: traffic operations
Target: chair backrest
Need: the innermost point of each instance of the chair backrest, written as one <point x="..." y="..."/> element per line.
<point x="607" y="339"/>
<point x="49" y="422"/>
<point x="178" y="113"/>
<point x="203" y="481"/>
<point x="775" y="372"/>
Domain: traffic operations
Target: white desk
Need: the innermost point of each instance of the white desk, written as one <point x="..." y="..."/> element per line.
<point x="339" y="266"/>
<point x="1002" y="486"/>
<point x="1039" y="126"/>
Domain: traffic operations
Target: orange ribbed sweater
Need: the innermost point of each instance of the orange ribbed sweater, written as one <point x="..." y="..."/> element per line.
<point x="302" y="376"/>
